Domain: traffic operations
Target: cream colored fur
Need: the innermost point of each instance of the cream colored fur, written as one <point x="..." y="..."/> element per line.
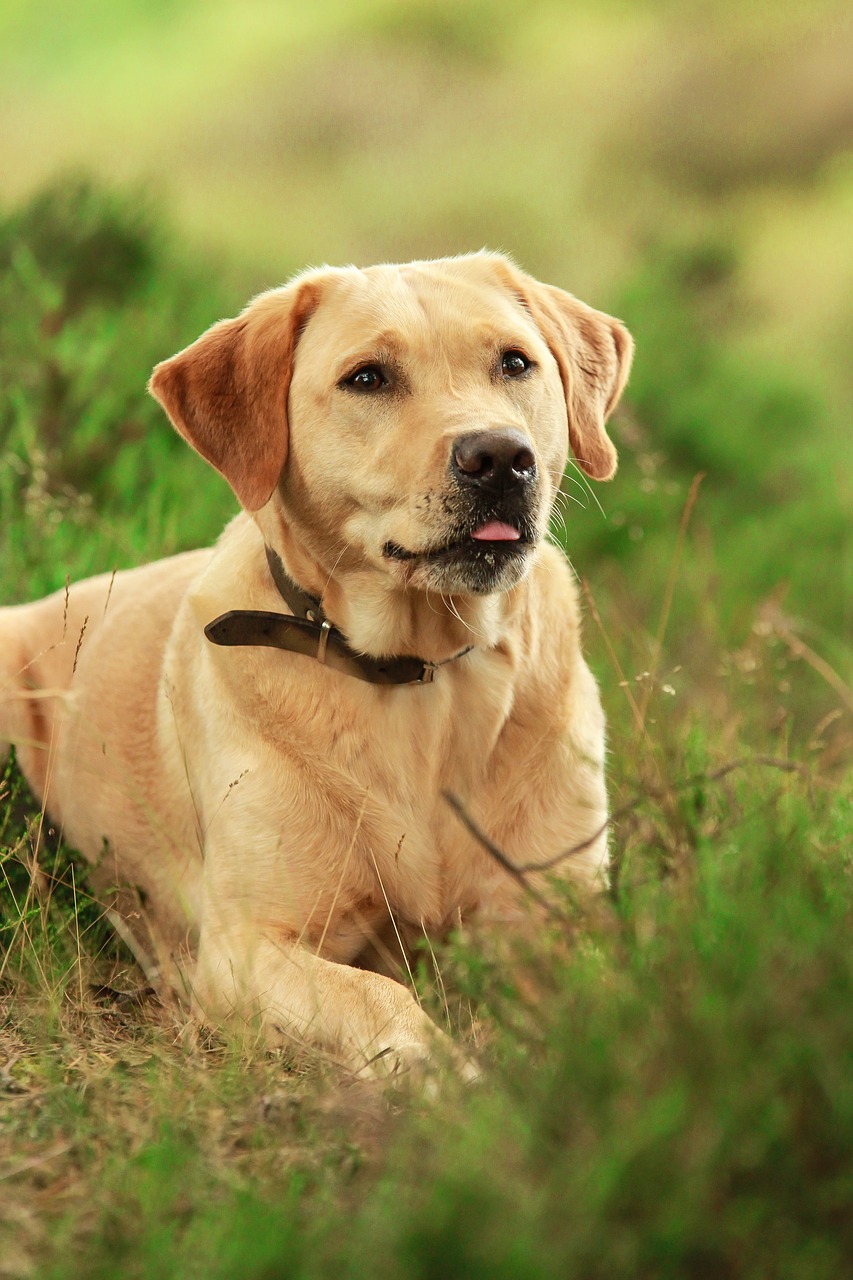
<point x="273" y="814"/>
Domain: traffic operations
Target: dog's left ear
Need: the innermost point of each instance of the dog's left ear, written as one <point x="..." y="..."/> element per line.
<point x="227" y="393"/>
<point x="593" y="353"/>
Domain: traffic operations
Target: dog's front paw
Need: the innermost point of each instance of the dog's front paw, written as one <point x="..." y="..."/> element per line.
<point x="426" y="1061"/>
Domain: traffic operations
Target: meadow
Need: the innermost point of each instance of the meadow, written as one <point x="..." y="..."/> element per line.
<point x="667" y="1084"/>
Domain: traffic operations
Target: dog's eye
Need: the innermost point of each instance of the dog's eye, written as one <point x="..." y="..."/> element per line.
<point x="366" y="379"/>
<point x="514" y="363"/>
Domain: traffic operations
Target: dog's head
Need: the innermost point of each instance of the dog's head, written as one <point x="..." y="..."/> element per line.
<point x="414" y="419"/>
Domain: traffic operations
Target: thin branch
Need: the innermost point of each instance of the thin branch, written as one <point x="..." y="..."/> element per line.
<point x="800" y="649"/>
<point x="498" y="854"/>
<point x="519" y="871"/>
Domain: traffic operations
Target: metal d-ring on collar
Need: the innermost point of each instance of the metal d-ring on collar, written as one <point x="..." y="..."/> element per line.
<point x="323" y="641"/>
<point x="308" y="631"/>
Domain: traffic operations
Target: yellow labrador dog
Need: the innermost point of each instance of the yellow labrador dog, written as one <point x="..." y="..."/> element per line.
<point x="257" y="737"/>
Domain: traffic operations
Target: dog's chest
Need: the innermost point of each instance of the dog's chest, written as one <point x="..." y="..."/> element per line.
<point x="344" y="797"/>
<point x="418" y="745"/>
<point x="418" y="873"/>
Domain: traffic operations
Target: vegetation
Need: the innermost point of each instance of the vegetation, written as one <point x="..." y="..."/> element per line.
<point x="667" y="1088"/>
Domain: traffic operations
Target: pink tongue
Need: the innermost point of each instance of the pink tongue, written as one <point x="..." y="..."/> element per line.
<point x="496" y="531"/>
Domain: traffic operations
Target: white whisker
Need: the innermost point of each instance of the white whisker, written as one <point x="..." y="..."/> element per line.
<point x="344" y="548"/>
<point x="570" y="497"/>
<point x="587" y="486"/>
<point x="451" y="608"/>
<point x="429" y="604"/>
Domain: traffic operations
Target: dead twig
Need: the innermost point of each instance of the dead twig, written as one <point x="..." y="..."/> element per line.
<point x="520" y="870"/>
<point x="517" y="873"/>
<point x="781" y="627"/>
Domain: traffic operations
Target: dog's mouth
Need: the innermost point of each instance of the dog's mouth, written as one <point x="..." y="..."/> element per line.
<point x="491" y="543"/>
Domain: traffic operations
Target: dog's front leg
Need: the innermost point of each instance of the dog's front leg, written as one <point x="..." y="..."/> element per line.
<point x="370" y="1023"/>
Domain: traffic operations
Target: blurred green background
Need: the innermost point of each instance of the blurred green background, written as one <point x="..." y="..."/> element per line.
<point x="678" y="1101"/>
<point x="573" y="135"/>
<point x="687" y="166"/>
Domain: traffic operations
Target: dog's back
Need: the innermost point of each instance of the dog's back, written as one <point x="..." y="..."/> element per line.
<point x="45" y="643"/>
<point x="57" y="657"/>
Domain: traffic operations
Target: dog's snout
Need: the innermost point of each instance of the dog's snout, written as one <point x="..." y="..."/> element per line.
<point x="493" y="460"/>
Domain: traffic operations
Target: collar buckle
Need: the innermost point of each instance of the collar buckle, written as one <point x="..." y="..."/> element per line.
<point x="323" y="640"/>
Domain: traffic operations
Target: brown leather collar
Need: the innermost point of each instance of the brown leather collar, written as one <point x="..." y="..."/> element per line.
<point x="309" y="632"/>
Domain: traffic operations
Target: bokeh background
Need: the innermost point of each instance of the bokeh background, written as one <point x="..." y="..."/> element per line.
<point x="687" y="166"/>
<point x="676" y="1099"/>
<point x="574" y="135"/>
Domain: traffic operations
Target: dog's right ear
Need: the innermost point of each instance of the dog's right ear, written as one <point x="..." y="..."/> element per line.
<point x="227" y="393"/>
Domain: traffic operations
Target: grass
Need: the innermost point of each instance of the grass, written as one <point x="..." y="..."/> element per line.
<point x="667" y="1085"/>
<point x="674" y="1100"/>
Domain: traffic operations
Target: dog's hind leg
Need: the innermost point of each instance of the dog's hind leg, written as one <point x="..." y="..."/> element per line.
<point x="23" y="715"/>
<point x="36" y="664"/>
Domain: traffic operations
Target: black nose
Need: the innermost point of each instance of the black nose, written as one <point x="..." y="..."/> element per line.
<point x="496" y="461"/>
